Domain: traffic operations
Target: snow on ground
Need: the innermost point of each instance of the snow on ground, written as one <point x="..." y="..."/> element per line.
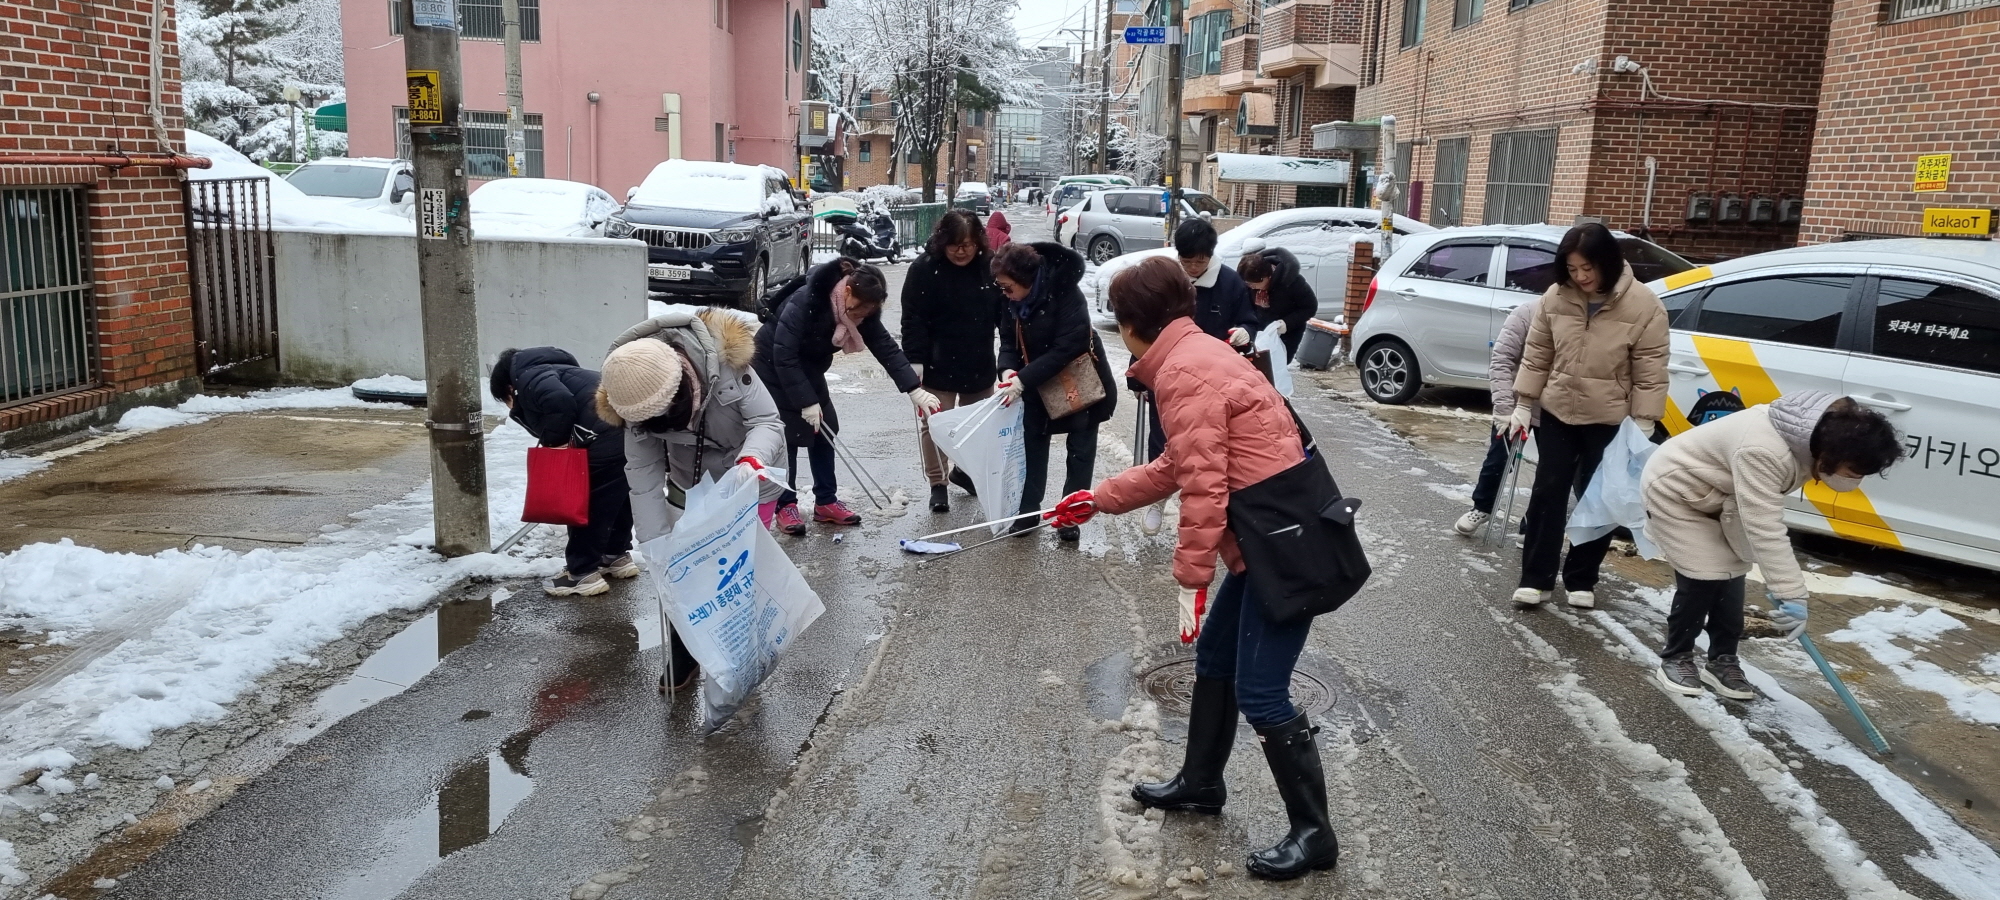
<point x="1877" y="631"/>
<point x="12" y="467"/>
<point x="201" y="407"/>
<point x="395" y="384"/>
<point x="235" y="615"/>
<point x="10" y="866"/>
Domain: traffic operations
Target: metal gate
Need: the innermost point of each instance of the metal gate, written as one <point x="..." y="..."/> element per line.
<point x="47" y="322"/>
<point x="232" y="270"/>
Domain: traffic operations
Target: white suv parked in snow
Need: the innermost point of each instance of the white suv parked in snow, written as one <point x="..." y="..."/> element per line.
<point x="383" y="185"/>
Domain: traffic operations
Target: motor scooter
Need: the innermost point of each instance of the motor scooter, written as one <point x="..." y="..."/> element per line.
<point x="875" y="241"/>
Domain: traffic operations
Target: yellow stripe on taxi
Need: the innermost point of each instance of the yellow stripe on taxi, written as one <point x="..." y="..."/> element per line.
<point x="1695" y="275"/>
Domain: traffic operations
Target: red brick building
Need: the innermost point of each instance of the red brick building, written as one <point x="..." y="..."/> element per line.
<point x="1904" y="79"/>
<point x="96" y="306"/>
<point x="1285" y="68"/>
<point x="1520" y="111"/>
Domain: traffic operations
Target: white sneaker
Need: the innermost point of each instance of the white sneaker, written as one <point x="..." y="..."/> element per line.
<point x="1470" y="523"/>
<point x="1582" y="599"/>
<point x="1155" y="516"/>
<point x="1526" y="597"/>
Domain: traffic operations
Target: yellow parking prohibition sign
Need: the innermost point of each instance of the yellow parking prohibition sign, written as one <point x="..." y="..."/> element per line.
<point x="1933" y="172"/>
<point x="426" y="97"/>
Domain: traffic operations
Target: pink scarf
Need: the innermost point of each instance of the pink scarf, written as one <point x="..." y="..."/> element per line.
<point x="846" y="331"/>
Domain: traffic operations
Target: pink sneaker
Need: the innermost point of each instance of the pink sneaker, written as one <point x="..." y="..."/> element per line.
<point x="789" y="520"/>
<point x="835" y="513"/>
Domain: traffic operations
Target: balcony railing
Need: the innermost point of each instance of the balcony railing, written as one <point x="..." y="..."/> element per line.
<point x="1917" y="9"/>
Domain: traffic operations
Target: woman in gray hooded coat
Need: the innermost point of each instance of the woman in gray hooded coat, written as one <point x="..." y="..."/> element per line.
<point x="681" y="387"/>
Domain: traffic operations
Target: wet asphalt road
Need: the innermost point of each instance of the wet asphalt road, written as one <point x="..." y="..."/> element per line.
<point x="968" y="728"/>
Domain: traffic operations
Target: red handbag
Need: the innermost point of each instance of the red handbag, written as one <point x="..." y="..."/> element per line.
<point x="558" y="486"/>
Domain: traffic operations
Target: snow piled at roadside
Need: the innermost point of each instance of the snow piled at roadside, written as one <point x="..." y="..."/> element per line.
<point x="201" y="407"/>
<point x="1876" y="631"/>
<point x="10" y="866"/>
<point x="12" y="467"/>
<point x="236" y="616"/>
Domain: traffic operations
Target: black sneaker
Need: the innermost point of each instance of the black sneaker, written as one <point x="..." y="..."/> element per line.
<point x="939" y="502"/>
<point x="964" y="481"/>
<point x="1024" y="523"/>
<point x="1069" y="533"/>
<point x="588" y="584"/>
<point x="1724" y="675"/>
<point x="1680" y="674"/>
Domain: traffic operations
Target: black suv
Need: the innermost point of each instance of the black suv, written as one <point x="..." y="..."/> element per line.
<point x="717" y="232"/>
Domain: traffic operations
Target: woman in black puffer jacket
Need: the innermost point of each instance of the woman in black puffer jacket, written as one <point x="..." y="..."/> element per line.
<point x="951" y="308"/>
<point x="1284" y="300"/>
<point x="1044" y="327"/>
<point x="556" y="401"/>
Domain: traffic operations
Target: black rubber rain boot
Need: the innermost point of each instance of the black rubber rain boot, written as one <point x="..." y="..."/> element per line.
<point x="1295" y="765"/>
<point x="939" y="502"/>
<point x="1198" y="786"/>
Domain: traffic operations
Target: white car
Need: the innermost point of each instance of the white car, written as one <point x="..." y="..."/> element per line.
<point x="1910" y="327"/>
<point x="1437" y="303"/>
<point x="1322" y="237"/>
<point x="540" y="207"/>
<point x="1110" y="223"/>
<point x="383" y="185"/>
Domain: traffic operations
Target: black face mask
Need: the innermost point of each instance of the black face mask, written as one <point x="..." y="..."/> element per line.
<point x="677" y="417"/>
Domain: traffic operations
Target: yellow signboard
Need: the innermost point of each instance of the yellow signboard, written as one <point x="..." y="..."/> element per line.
<point x="1933" y="172"/>
<point x="1976" y="222"/>
<point x="426" y="97"/>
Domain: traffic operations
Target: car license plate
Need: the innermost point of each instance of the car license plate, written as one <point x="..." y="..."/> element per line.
<point x="670" y="273"/>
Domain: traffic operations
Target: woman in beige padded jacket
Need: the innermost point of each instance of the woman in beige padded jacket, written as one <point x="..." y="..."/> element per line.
<point x="1596" y="355"/>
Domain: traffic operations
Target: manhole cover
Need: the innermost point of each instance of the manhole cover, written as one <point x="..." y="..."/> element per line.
<point x="1171" y="685"/>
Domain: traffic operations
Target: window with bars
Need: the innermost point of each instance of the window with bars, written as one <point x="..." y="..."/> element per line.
<point x="481" y="20"/>
<point x="485" y="142"/>
<point x="1448" y="182"/>
<point x="47" y="327"/>
<point x="1518" y="175"/>
<point x="1917" y="9"/>
<point x="1413" y="22"/>
<point x="1406" y="156"/>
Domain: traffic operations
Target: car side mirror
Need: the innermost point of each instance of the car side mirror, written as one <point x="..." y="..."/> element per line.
<point x="1205" y="216"/>
<point x="403" y="185"/>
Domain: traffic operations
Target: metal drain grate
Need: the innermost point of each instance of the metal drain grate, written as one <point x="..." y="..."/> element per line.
<point x="1171" y="685"/>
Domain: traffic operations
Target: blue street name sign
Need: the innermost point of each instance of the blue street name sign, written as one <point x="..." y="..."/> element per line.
<point x="1146" y="34"/>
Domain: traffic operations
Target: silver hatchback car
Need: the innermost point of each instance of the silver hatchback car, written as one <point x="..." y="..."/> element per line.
<point x="1115" y="222"/>
<point x="1437" y="303"/>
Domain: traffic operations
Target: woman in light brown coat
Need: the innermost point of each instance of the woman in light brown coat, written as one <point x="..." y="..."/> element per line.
<point x="1596" y="356"/>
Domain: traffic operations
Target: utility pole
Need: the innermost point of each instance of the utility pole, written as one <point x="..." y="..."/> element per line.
<point x="1174" y="84"/>
<point x="445" y="277"/>
<point x="1104" y="55"/>
<point x="517" y="126"/>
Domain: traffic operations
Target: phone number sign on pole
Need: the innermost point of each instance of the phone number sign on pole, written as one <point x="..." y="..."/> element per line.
<point x="1145" y="34"/>
<point x="432" y="221"/>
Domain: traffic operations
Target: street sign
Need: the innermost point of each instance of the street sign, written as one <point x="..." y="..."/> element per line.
<point x="1146" y="34"/>
<point x="434" y="14"/>
<point x="432" y="221"/>
<point x="1933" y="172"/>
<point x="1972" y="222"/>
<point x="426" y="97"/>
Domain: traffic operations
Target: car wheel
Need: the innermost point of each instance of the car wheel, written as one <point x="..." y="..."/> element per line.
<point x="1103" y="248"/>
<point x="753" y="299"/>
<point x="1389" y="372"/>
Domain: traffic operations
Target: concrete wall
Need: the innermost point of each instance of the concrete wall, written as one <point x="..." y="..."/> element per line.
<point x="348" y="307"/>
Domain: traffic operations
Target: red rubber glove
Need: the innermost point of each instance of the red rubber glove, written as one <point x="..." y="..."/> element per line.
<point x="1193" y="606"/>
<point x="1074" y="510"/>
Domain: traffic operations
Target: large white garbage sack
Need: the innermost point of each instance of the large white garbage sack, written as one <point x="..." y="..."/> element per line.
<point x="1281" y="373"/>
<point x="732" y="594"/>
<point x="984" y="440"/>
<point x="1613" y="497"/>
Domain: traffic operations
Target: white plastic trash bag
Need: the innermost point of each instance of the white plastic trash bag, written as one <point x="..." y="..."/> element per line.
<point x="1281" y="373"/>
<point x="1613" y="497"/>
<point x="733" y="596"/>
<point x="984" y="440"/>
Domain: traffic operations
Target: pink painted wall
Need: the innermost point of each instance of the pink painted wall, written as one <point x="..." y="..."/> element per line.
<point x="629" y="52"/>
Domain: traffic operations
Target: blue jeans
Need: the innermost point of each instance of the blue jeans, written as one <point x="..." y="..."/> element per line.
<point x="1238" y="642"/>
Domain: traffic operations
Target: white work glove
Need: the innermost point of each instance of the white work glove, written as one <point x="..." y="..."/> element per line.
<point x="925" y="402"/>
<point x="1790" y="616"/>
<point x="1193" y="606"/>
<point x="1519" y="422"/>
<point x="920" y="370"/>
<point x="1238" y="337"/>
<point x="1009" y="387"/>
<point x="812" y="416"/>
<point x="1277" y="327"/>
<point x="1502" y="424"/>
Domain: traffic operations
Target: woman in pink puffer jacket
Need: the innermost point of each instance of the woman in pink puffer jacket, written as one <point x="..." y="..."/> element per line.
<point x="1226" y="429"/>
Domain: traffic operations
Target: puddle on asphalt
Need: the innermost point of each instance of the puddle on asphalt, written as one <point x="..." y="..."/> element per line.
<point x="467" y="808"/>
<point x="400" y="662"/>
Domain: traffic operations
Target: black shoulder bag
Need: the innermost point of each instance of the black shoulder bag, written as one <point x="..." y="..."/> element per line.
<point x="1297" y="536"/>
